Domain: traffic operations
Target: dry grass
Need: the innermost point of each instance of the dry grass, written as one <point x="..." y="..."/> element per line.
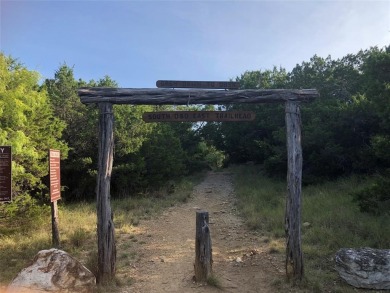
<point x="20" y="242"/>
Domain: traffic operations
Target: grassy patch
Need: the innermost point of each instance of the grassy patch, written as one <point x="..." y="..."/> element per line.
<point x="21" y="241"/>
<point x="261" y="200"/>
<point x="214" y="281"/>
<point x="332" y="220"/>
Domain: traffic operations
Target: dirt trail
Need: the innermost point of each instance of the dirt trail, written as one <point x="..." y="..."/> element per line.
<point x="242" y="262"/>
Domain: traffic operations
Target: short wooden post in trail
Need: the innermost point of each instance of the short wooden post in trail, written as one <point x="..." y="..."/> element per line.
<point x="105" y="224"/>
<point x="294" y="256"/>
<point x="203" y="249"/>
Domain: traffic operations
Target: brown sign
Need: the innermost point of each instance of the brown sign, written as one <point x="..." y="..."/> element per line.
<point x="5" y="173"/>
<point x="230" y="85"/>
<point x="55" y="177"/>
<point x="193" y="116"/>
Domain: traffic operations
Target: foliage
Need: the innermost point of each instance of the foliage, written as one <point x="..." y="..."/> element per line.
<point x="27" y="123"/>
<point x="256" y="141"/>
<point x="24" y="211"/>
<point x="130" y="130"/>
<point x="130" y="133"/>
<point x="81" y="133"/>
<point x="375" y="198"/>
<point x="345" y="131"/>
<point x="79" y="169"/>
<point x="212" y="156"/>
<point x="164" y="156"/>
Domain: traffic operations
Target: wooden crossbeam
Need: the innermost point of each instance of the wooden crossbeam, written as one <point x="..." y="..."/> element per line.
<point x="193" y="96"/>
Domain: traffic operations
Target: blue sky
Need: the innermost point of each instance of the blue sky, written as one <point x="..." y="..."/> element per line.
<point x="137" y="43"/>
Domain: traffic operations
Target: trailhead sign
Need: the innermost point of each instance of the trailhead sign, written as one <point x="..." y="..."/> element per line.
<point x="193" y="116"/>
<point x="55" y="175"/>
<point x="5" y="173"/>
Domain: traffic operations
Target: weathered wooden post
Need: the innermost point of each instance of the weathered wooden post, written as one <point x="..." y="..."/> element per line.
<point x="55" y="235"/>
<point x="203" y="250"/>
<point x="105" y="224"/>
<point x="294" y="257"/>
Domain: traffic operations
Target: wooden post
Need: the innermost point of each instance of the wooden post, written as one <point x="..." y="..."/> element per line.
<point x="294" y="257"/>
<point x="54" y="225"/>
<point x="105" y="224"/>
<point x="203" y="250"/>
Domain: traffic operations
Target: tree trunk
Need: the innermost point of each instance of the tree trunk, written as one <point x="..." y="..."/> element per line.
<point x="105" y="224"/>
<point x="203" y="250"/>
<point x="294" y="257"/>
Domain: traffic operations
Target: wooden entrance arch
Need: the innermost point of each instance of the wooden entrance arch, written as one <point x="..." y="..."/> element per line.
<point x="106" y="97"/>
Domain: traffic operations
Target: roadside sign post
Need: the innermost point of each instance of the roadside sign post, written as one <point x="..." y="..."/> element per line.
<point x="55" y="193"/>
<point x="5" y="174"/>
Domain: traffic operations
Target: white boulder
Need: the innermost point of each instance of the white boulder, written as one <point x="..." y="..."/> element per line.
<point x="53" y="271"/>
<point x="364" y="267"/>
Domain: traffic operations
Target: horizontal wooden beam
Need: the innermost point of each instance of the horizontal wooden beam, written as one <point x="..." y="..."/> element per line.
<point x="192" y="97"/>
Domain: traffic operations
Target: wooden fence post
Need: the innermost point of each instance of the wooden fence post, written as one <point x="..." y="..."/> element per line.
<point x="105" y="224"/>
<point x="203" y="249"/>
<point x="294" y="256"/>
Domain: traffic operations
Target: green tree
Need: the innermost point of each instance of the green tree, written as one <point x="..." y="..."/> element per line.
<point x="28" y="125"/>
<point x="81" y="133"/>
<point x="376" y="73"/>
<point x="79" y="170"/>
<point x="346" y="130"/>
<point x="258" y="141"/>
<point x="164" y="156"/>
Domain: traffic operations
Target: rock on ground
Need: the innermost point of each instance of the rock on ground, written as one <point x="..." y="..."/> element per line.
<point x="364" y="267"/>
<point x="53" y="271"/>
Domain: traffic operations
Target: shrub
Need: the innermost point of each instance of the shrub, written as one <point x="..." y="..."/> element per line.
<point x="375" y="199"/>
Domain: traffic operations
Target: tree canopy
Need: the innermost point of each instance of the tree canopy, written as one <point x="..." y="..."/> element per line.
<point x="345" y="131"/>
<point x="28" y="124"/>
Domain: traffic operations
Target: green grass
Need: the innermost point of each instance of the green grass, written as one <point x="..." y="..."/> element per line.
<point x="335" y="222"/>
<point x="261" y="200"/>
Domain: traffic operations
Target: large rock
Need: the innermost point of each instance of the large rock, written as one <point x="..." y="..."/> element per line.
<point x="364" y="267"/>
<point x="53" y="271"/>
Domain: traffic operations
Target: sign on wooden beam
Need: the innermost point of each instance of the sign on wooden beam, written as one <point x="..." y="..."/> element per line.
<point x="194" y="116"/>
<point x="229" y="85"/>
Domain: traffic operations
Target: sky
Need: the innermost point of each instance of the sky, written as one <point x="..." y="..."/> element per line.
<point x="137" y="43"/>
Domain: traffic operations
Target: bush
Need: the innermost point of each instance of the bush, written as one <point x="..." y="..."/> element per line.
<point x="210" y="155"/>
<point x="375" y="199"/>
<point x="23" y="213"/>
